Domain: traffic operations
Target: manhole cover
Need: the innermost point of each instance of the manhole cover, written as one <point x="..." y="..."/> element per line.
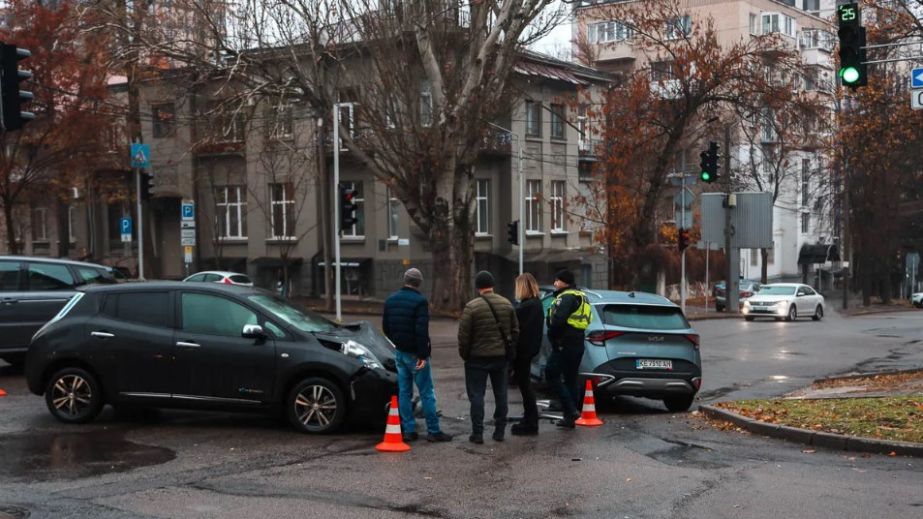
<point x="12" y="512"/>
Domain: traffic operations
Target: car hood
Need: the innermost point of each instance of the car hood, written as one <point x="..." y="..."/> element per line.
<point x="365" y="334"/>
<point x="768" y="299"/>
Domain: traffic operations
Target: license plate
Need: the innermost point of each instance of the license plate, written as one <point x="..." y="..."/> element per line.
<point x="653" y="364"/>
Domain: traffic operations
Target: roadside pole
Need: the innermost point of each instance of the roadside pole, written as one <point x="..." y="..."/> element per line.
<point x="682" y="261"/>
<point x="522" y="209"/>
<point x="336" y="204"/>
<point x="140" y="225"/>
<point x="707" y="248"/>
<point x="730" y="285"/>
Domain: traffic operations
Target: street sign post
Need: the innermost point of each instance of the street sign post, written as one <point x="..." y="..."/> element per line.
<point x="916" y="78"/>
<point x="125" y="227"/>
<point x="916" y="99"/>
<point x="187" y="212"/>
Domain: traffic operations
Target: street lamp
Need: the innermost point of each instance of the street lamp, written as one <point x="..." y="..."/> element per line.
<point x="522" y="209"/>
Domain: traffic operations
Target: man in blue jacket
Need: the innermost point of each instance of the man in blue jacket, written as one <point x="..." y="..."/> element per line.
<point x="406" y="323"/>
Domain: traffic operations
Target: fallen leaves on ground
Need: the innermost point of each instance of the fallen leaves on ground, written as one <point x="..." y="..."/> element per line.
<point x="882" y="382"/>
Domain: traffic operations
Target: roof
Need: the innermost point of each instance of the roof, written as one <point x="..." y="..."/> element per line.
<point x="146" y="286"/>
<point x="616" y="296"/>
<point x="63" y="261"/>
<point x="542" y="65"/>
<point x="219" y="272"/>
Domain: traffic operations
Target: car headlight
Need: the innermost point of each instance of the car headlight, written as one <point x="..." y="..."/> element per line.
<point x="361" y="353"/>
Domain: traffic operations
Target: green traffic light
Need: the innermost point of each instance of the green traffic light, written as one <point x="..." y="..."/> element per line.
<point x="705" y="176"/>
<point x="849" y="74"/>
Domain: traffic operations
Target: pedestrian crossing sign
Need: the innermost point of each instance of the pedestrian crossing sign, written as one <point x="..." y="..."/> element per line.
<point x="140" y="155"/>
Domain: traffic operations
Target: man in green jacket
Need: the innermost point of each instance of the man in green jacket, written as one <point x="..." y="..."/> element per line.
<point x="487" y="324"/>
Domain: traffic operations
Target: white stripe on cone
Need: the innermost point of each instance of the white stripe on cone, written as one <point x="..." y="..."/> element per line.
<point x="589" y="407"/>
<point x="393" y="429"/>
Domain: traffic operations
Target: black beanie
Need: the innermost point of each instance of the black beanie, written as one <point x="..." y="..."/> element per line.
<point x="483" y="279"/>
<point x="566" y="276"/>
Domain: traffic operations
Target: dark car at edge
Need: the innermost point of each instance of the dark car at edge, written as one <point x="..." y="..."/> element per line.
<point x="212" y="347"/>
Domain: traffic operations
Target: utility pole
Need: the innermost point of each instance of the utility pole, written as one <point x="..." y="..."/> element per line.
<point x="336" y="216"/>
<point x="326" y="235"/>
<point x="732" y="266"/>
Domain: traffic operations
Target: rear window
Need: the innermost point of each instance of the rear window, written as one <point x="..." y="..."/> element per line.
<point x="151" y="308"/>
<point x="9" y="275"/>
<point x="90" y="275"/>
<point x="645" y="317"/>
<point x="240" y="278"/>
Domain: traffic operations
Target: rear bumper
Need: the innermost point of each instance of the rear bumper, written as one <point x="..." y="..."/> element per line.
<point x="655" y="384"/>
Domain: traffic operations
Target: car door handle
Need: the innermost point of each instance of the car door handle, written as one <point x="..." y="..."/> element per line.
<point x="184" y="344"/>
<point x="102" y="335"/>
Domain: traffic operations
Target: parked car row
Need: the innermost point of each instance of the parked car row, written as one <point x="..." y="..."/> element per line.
<point x="746" y="289"/>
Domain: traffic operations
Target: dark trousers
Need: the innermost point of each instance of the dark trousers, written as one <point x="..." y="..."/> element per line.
<point x="477" y="370"/>
<point x="561" y="373"/>
<point x="524" y="381"/>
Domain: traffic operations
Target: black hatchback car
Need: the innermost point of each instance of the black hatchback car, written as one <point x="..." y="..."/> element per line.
<point x="208" y="346"/>
<point x="32" y="291"/>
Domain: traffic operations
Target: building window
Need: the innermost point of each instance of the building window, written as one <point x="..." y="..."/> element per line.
<point x="227" y="123"/>
<point x="805" y="222"/>
<point x="557" y="121"/>
<point x="661" y="71"/>
<point x="533" y="119"/>
<point x="281" y="120"/>
<point x="606" y="32"/>
<point x="533" y="206"/>
<point x="347" y="119"/>
<point x="805" y="174"/>
<point x="71" y="218"/>
<point x="40" y="224"/>
<point x="282" y="203"/>
<point x="811" y="6"/>
<point x="678" y="28"/>
<point x="394" y="219"/>
<point x="583" y="140"/>
<point x="426" y="104"/>
<point x="482" y="209"/>
<point x="777" y="22"/>
<point x="358" y="228"/>
<point x="164" y="118"/>
<point x="754" y="24"/>
<point x="231" y="212"/>
<point x="557" y="206"/>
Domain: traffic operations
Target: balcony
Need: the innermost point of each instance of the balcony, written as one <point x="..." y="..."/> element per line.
<point x="496" y="142"/>
<point x="586" y="148"/>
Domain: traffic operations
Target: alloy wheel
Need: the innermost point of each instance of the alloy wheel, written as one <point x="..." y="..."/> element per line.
<point x="315" y="407"/>
<point x="71" y="395"/>
<point x="792" y="313"/>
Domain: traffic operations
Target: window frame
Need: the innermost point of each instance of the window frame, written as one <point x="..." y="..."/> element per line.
<point x="557" y="119"/>
<point x="394" y="217"/>
<point x="43" y="220"/>
<point x="805" y="182"/>
<point x="679" y="27"/>
<point x="533" y="207"/>
<point x="284" y="202"/>
<point x="533" y="119"/>
<point x="163" y="120"/>
<point x="282" y="117"/>
<point x="224" y="208"/>
<point x="482" y="221"/>
<point x="556" y="201"/>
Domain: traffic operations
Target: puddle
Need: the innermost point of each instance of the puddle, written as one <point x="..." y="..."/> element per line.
<point x="13" y="512"/>
<point x="686" y="456"/>
<point x="47" y="457"/>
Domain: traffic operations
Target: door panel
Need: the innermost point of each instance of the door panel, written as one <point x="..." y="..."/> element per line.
<point x="11" y="290"/>
<point x="212" y="359"/>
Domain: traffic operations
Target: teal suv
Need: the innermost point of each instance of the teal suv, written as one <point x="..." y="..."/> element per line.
<point x="638" y="344"/>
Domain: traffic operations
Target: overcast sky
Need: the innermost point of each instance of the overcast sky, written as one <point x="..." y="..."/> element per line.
<point x="555" y="41"/>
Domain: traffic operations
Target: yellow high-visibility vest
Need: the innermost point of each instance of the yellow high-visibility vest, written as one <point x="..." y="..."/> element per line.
<point x="581" y="317"/>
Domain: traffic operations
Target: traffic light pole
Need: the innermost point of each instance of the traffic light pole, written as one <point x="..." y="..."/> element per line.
<point x="731" y="295"/>
<point x="336" y="216"/>
<point x="140" y="225"/>
<point x="521" y="228"/>
<point x="682" y="275"/>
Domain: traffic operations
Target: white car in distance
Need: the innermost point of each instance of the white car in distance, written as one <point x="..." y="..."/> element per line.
<point x="787" y="301"/>
<point x="216" y="276"/>
<point x="917" y="299"/>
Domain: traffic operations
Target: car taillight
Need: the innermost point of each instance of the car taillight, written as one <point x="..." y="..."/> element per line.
<point x="746" y="294"/>
<point x="227" y="281"/>
<point x="694" y="339"/>
<point x="599" y="338"/>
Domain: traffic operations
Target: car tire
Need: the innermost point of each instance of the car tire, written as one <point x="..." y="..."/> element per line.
<point x="748" y="318"/>
<point x="678" y="404"/>
<point x="818" y="313"/>
<point x="792" y="313"/>
<point x="73" y="395"/>
<point x="316" y="405"/>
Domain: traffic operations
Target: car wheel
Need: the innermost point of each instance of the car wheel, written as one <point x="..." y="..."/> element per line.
<point x="316" y="405"/>
<point x="748" y="318"/>
<point x="74" y="396"/>
<point x="818" y="313"/>
<point x="792" y="313"/>
<point x="678" y="404"/>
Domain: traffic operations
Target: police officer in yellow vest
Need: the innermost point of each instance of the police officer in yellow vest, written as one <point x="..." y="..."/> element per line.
<point x="568" y="317"/>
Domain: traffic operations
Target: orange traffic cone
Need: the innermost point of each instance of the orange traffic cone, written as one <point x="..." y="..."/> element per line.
<point x="588" y="416"/>
<point x="393" y="441"/>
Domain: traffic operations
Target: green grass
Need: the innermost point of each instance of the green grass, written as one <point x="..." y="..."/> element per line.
<point x="890" y="418"/>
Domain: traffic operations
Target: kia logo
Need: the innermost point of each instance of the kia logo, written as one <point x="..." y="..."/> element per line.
<point x="655" y="338"/>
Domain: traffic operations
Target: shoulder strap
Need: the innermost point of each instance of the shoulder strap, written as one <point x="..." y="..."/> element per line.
<point x="503" y="335"/>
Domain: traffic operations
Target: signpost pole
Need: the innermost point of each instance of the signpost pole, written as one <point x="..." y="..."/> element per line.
<point x="140" y="225"/>
<point x="336" y="205"/>
<point x="707" y="250"/>
<point x="682" y="275"/>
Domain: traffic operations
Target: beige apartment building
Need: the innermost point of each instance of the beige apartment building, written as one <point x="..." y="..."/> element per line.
<point x="806" y="214"/>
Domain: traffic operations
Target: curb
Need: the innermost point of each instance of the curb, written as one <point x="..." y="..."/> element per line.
<point x="713" y="317"/>
<point x="875" y="310"/>
<point x="814" y="438"/>
<point x="856" y="376"/>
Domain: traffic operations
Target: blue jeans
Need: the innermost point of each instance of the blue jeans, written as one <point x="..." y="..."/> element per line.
<point x="407" y="376"/>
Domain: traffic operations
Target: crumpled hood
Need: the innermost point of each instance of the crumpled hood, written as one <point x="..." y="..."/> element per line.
<point x="365" y="334"/>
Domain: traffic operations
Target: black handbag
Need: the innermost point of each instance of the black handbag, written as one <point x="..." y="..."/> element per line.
<point x="508" y="343"/>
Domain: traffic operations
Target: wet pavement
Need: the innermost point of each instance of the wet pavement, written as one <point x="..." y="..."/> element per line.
<point x="644" y="462"/>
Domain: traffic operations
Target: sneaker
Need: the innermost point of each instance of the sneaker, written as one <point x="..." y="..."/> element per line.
<point x="410" y="437"/>
<point x="524" y="430"/>
<point x="499" y="434"/>
<point x="439" y="437"/>
<point x="476" y="438"/>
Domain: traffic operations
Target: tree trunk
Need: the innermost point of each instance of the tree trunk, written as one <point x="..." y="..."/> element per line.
<point x="452" y="240"/>
<point x="764" y="266"/>
<point x="11" y="243"/>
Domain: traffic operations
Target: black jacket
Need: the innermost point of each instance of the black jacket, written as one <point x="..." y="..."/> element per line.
<point x="561" y="334"/>
<point x="531" y="324"/>
<point x="406" y="322"/>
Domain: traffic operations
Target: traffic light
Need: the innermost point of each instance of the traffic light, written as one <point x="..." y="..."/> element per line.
<point x="512" y="232"/>
<point x="347" y="207"/>
<point x="11" y="97"/>
<point x="147" y="183"/>
<point x="682" y="239"/>
<point x="853" y="72"/>
<point x="708" y="167"/>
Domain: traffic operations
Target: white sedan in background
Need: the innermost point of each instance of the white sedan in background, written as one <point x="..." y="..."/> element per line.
<point x="787" y="301"/>
<point x="217" y="276"/>
<point x="917" y="299"/>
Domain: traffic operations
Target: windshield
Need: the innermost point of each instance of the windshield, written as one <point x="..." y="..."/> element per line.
<point x="302" y="319"/>
<point x="769" y="290"/>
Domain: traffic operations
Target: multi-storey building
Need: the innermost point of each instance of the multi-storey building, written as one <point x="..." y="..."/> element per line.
<point x="803" y="216"/>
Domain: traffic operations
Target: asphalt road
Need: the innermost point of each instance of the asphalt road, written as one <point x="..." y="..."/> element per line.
<point x="644" y="462"/>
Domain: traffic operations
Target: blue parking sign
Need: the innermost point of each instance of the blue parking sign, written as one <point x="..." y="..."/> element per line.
<point x="125" y="228"/>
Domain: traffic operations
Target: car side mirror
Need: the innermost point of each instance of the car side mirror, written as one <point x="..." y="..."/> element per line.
<point x="253" y="331"/>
